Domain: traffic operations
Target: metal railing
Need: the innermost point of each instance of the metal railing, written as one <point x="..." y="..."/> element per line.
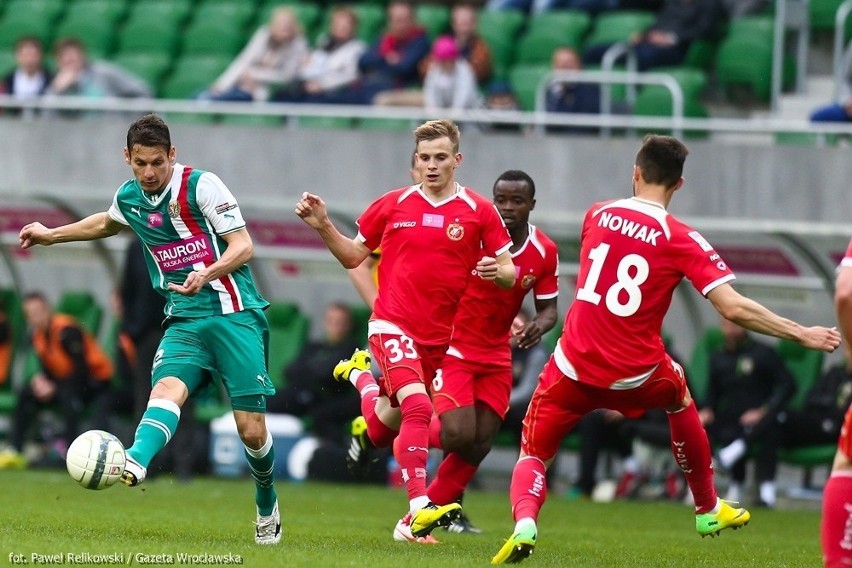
<point x="840" y="18"/>
<point x="790" y="15"/>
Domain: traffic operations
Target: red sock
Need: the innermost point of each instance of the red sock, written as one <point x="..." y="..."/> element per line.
<point x="435" y="433"/>
<point x="528" y="489"/>
<point x="691" y="451"/>
<point x="453" y="476"/>
<point x="380" y="434"/>
<point x="413" y="441"/>
<point x="836" y="529"/>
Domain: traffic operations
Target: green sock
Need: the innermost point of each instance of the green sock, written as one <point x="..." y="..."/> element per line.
<point x="262" y="465"/>
<point x="156" y="428"/>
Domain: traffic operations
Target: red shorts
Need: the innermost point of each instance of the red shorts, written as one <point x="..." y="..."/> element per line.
<point x="845" y="443"/>
<point x="403" y="361"/>
<point x="559" y="402"/>
<point x="460" y="382"/>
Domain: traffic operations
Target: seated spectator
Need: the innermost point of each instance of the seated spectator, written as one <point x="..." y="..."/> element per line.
<point x="500" y="97"/>
<point x="570" y="97"/>
<point x="311" y="391"/>
<point x="667" y="40"/>
<point x="841" y="110"/>
<point x="332" y="66"/>
<point x="272" y="58"/>
<point x="820" y="419"/>
<point x="748" y="386"/>
<point x="463" y="23"/>
<point x="449" y="82"/>
<point x="79" y="76"/>
<point x="74" y="376"/>
<point x="393" y="62"/>
<point x="30" y="78"/>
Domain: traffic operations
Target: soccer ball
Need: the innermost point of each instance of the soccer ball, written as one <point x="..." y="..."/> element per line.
<point x="95" y="459"/>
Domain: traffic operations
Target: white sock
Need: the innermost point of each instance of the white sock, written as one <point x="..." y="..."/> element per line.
<point x="418" y="503"/>
<point x="354" y="374"/>
<point x="631" y="465"/>
<point x="730" y="454"/>
<point x="767" y="492"/>
<point x="525" y="522"/>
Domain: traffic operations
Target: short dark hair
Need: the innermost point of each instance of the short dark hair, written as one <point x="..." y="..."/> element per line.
<point x="661" y="159"/>
<point x="36" y="296"/>
<point x="517" y="175"/>
<point x="150" y="131"/>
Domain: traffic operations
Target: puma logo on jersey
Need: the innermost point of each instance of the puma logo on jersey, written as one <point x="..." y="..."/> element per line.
<point x="631" y="229"/>
<point x="136" y="210"/>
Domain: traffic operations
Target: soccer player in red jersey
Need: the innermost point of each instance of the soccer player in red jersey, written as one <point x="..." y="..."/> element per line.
<point x="836" y="526"/>
<point x="471" y="390"/>
<point x="611" y="354"/>
<point x="433" y="236"/>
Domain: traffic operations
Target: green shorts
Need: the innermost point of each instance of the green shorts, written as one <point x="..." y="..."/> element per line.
<point x="234" y="346"/>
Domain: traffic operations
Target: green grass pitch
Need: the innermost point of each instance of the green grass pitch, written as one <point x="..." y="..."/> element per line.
<point x="45" y="512"/>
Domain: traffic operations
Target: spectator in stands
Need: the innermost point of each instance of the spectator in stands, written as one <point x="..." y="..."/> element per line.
<point x="667" y="40"/>
<point x="79" y="76"/>
<point x="841" y="110"/>
<point x="74" y="375"/>
<point x="820" y="418"/>
<point x="500" y="97"/>
<point x="463" y="24"/>
<point x="30" y="78"/>
<point x="310" y="391"/>
<point x="393" y="61"/>
<point x="565" y="96"/>
<point x="748" y="386"/>
<point x="272" y="58"/>
<point x="450" y="82"/>
<point x="332" y="66"/>
<point x="526" y="366"/>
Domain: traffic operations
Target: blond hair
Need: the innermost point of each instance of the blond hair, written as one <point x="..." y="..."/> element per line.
<point x="433" y="129"/>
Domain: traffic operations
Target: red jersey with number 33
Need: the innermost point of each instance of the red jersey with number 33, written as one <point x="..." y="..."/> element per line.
<point x="633" y="254"/>
<point x="482" y="326"/>
<point x="428" y="251"/>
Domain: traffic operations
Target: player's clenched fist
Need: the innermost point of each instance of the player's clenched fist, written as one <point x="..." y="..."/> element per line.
<point x="311" y="208"/>
<point x="34" y="234"/>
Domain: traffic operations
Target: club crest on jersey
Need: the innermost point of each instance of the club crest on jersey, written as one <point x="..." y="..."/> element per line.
<point x="455" y="231"/>
<point x="155" y="219"/>
<point x="528" y="281"/>
<point x="174" y="209"/>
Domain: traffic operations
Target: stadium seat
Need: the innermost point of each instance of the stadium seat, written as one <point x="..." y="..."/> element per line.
<point x="822" y="13"/>
<point x="149" y="66"/>
<point x="568" y="26"/>
<point x="502" y="52"/>
<point x="83" y="307"/>
<point x="288" y="333"/>
<point x="501" y="22"/>
<point x="698" y="369"/>
<point x="7" y="62"/>
<point x="536" y="49"/>
<point x="434" y="17"/>
<point x="47" y="10"/>
<point x="109" y="10"/>
<point x="701" y="54"/>
<point x="656" y="100"/>
<point x="213" y="37"/>
<point x="525" y="80"/>
<point x="747" y="62"/>
<point x="97" y="35"/>
<point x="238" y="13"/>
<point x="15" y="26"/>
<point x="145" y="35"/>
<point x="617" y="26"/>
<point x="192" y="74"/>
<point x="160" y="12"/>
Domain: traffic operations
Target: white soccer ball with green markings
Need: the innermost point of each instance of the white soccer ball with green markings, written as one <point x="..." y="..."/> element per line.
<point x="95" y="459"/>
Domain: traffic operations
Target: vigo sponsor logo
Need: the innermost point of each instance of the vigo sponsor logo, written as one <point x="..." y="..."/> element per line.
<point x="680" y="456"/>
<point x="174" y="256"/>
<point x="631" y="229"/>
<point x="538" y="484"/>
<point x="404" y="224"/>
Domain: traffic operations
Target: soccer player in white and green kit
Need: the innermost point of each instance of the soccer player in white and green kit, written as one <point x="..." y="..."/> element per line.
<point x="196" y="249"/>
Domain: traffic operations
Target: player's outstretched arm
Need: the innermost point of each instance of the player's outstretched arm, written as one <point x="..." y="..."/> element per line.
<point x="312" y="210"/>
<point x="751" y="315"/>
<point x="97" y="226"/>
<point x="240" y="250"/>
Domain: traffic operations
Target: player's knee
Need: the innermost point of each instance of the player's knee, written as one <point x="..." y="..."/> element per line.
<point x="253" y="435"/>
<point x="456" y="438"/>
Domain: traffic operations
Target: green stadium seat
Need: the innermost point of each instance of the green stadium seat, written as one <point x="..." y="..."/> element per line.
<point x="288" y="333"/>
<point x="213" y="37"/>
<point x="747" y="62"/>
<point x="149" y="66"/>
<point x="701" y="54"/>
<point x="83" y="307"/>
<point x="192" y="74"/>
<point x="15" y="26"/>
<point x="161" y="12"/>
<point x="47" y="10"/>
<point x="656" y="100"/>
<point x="502" y="52"/>
<point x="434" y="17"/>
<point x="822" y="13"/>
<point x="7" y="62"/>
<point x="535" y="49"/>
<point x="238" y="13"/>
<point x="698" y="369"/>
<point x="109" y="10"/>
<point x="752" y="27"/>
<point x="149" y="36"/>
<point x="568" y="26"/>
<point x="97" y="35"/>
<point x="524" y="80"/>
<point x="507" y="23"/>
<point x="617" y="26"/>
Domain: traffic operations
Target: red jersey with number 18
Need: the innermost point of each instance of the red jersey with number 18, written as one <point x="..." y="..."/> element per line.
<point x="632" y="256"/>
<point x="428" y="252"/>
<point x="481" y="329"/>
